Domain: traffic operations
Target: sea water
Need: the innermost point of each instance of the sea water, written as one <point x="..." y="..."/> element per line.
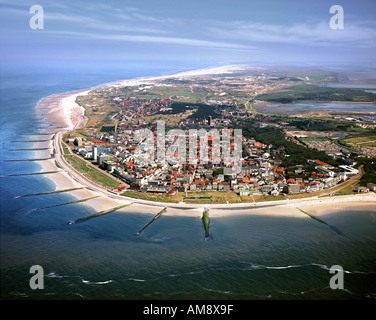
<point x="248" y="257"/>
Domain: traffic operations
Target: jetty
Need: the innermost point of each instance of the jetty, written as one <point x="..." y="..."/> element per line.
<point x="335" y="229"/>
<point x="98" y="214"/>
<point x="206" y="222"/>
<point x="152" y="220"/>
<point x="63" y="204"/>
<point x="48" y="192"/>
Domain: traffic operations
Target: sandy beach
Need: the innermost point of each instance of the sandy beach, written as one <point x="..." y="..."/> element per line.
<point x="61" y="113"/>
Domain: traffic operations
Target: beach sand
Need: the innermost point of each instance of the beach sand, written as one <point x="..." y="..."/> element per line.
<point x="61" y="112"/>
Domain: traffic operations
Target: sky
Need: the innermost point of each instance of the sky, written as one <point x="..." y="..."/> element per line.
<point x="204" y="32"/>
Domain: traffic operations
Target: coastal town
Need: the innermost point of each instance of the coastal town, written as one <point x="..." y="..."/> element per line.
<point x="120" y="153"/>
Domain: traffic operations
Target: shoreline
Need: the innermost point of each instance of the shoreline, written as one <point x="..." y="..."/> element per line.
<point x="60" y="108"/>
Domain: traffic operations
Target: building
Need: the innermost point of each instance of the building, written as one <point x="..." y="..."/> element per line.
<point x="371" y="186"/>
<point x="101" y="158"/>
<point x="349" y="170"/>
<point x="110" y="166"/>
<point x="154" y="188"/>
<point x="325" y="171"/>
<point x="98" y="150"/>
<point x="361" y="189"/>
<point x="274" y="192"/>
<point x="243" y="192"/>
<point x="292" y="188"/>
<point x="78" y="142"/>
<point x="267" y="188"/>
<point x="86" y="151"/>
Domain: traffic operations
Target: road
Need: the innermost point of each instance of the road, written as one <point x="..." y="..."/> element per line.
<point x="335" y="141"/>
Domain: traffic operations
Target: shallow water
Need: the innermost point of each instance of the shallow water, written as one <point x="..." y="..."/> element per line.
<point x="305" y="107"/>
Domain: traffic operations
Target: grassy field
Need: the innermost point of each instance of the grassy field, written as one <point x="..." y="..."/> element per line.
<point x="98" y="110"/>
<point x="92" y="173"/>
<point x="315" y="93"/>
<point x="162" y="197"/>
<point x="363" y="141"/>
<point x="65" y="148"/>
<point x="216" y="197"/>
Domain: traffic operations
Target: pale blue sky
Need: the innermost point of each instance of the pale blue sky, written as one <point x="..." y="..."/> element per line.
<point x="207" y="31"/>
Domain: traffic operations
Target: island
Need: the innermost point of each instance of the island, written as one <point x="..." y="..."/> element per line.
<point x="290" y="158"/>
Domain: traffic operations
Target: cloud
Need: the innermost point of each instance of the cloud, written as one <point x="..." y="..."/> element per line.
<point x="155" y="39"/>
<point x="309" y="34"/>
<point x="93" y="23"/>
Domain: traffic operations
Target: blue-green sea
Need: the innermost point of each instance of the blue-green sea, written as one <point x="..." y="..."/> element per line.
<point x="248" y="257"/>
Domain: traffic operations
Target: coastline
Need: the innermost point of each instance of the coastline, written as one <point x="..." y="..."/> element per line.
<point x="62" y="113"/>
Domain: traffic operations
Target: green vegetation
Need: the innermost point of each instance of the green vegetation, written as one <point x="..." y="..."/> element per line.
<point x="291" y="153"/>
<point x="206" y="222"/>
<point x="161" y="197"/>
<point x="107" y="128"/>
<point x="98" y="109"/>
<point x="361" y="141"/>
<point x="65" y="148"/>
<point x="91" y="172"/>
<point x="317" y="124"/>
<point x="200" y="110"/>
<point x="316" y="93"/>
<point x="180" y="90"/>
<point x="369" y="169"/>
<point x="311" y="216"/>
<point x="207" y="197"/>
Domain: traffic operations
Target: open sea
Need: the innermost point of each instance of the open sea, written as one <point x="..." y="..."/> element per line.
<point x="248" y="257"/>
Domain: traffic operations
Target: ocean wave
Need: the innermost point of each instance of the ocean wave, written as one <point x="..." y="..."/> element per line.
<point x="99" y="282"/>
<point x="218" y="291"/>
<point x="321" y="266"/>
<point x="137" y="280"/>
<point x="54" y="275"/>
<point x="345" y="271"/>
<point x="19" y="294"/>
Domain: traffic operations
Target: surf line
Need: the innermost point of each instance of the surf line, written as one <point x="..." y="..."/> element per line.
<point x="152" y="220"/>
<point x="99" y="214"/>
<point x="321" y="221"/>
